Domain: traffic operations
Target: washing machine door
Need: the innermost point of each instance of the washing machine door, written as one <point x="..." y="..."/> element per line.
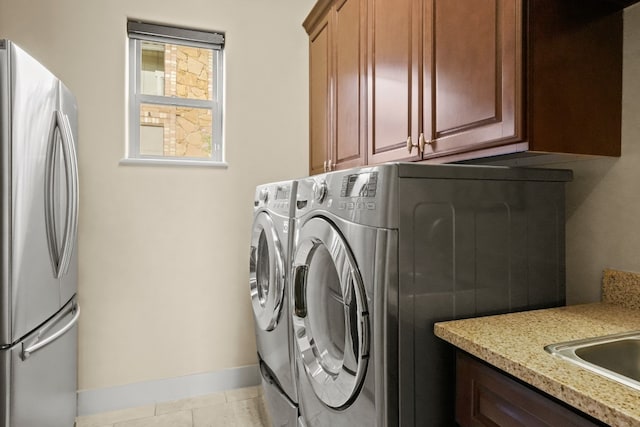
<point x="266" y="272"/>
<point x="330" y="316"/>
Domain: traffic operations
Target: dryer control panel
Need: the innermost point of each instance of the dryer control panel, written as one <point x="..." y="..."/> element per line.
<point x="364" y="195"/>
<point x="363" y="184"/>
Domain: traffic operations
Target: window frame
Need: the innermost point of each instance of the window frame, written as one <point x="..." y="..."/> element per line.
<point x="184" y="37"/>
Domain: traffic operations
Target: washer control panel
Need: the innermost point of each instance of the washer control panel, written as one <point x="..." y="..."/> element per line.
<point x="275" y="196"/>
<point x="281" y="198"/>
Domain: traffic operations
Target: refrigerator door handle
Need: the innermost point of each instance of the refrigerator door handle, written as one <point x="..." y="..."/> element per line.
<point x="37" y="344"/>
<point x="71" y="174"/>
<point x="49" y="195"/>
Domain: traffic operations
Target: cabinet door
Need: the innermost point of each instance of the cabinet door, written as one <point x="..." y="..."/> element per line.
<point x="488" y="397"/>
<point x="349" y="84"/>
<point x="472" y="73"/>
<point x="319" y="97"/>
<point x="394" y="29"/>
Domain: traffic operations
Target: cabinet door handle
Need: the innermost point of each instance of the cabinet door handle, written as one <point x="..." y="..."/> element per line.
<point x="419" y="145"/>
<point x="330" y="166"/>
<point x="422" y="142"/>
<point x="325" y="166"/>
<point x="409" y="144"/>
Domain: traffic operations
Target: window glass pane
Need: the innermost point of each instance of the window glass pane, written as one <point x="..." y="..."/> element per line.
<point x="176" y="71"/>
<point x="152" y="140"/>
<point x="186" y="131"/>
<point x="152" y="69"/>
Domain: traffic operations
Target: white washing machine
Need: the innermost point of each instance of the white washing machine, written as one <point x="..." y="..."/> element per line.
<point x="381" y="253"/>
<point x="269" y="269"/>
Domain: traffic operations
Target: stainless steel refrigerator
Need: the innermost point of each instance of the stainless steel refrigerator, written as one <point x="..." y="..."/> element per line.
<point x="38" y="256"/>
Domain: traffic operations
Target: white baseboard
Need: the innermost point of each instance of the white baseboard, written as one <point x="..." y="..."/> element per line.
<point x="150" y="392"/>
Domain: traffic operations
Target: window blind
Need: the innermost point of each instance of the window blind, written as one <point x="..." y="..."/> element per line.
<point x="143" y="30"/>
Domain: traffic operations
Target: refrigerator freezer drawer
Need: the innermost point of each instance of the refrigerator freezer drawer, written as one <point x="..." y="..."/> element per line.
<point x="39" y="387"/>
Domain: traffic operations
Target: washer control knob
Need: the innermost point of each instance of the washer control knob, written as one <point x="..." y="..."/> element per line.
<point x="320" y="191"/>
<point x="264" y="195"/>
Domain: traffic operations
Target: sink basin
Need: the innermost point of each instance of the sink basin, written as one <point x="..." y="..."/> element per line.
<point x="616" y="357"/>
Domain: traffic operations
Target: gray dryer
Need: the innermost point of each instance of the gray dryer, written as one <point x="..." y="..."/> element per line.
<point x="381" y="253"/>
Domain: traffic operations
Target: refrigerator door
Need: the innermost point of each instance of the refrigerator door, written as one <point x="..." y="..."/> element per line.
<point x="38" y="375"/>
<point x="5" y="199"/>
<point x="31" y="290"/>
<point x="68" y="202"/>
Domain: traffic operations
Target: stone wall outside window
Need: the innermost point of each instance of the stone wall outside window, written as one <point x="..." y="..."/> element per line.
<point x="188" y="73"/>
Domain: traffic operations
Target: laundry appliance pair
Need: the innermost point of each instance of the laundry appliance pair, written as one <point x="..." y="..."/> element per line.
<point x="376" y="256"/>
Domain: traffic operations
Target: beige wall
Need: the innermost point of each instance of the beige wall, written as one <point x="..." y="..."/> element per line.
<point x="163" y="270"/>
<point x="163" y="251"/>
<point x="603" y="201"/>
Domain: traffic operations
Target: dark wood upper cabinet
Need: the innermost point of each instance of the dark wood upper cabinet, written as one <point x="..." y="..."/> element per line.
<point x="349" y="85"/>
<point x="472" y="61"/>
<point x="394" y="28"/>
<point x="444" y="77"/>
<point x="337" y="100"/>
<point x="319" y="106"/>
<point x="621" y="4"/>
<point x="443" y="81"/>
<point x="574" y="77"/>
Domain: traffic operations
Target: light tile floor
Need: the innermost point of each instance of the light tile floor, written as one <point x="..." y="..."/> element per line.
<point x="243" y="407"/>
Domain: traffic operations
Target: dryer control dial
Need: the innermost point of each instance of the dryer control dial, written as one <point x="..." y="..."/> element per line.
<point x="320" y="191"/>
<point x="264" y="195"/>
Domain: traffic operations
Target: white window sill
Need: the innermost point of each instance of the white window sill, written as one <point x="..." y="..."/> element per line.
<point x="173" y="162"/>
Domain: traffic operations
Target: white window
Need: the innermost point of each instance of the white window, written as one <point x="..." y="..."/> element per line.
<point x="175" y="95"/>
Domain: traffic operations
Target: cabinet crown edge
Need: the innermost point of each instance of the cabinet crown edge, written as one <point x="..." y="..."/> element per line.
<point x="319" y="10"/>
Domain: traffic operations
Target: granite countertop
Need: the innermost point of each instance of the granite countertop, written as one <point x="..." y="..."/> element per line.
<point x="515" y="344"/>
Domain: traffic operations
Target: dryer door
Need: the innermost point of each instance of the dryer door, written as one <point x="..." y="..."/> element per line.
<point x="330" y="318"/>
<point x="266" y="272"/>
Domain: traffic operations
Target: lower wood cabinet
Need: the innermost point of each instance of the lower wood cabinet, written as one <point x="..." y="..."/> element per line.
<point x="486" y="396"/>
